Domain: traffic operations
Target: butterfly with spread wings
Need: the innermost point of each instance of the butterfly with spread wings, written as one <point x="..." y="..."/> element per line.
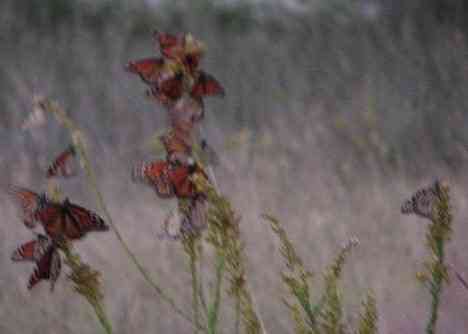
<point x="44" y="252"/>
<point x="62" y="165"/>
<point x="59" y="220"/>
<point x="168" y="179"/>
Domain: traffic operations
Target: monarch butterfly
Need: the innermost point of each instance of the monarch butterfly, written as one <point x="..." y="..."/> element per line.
<point x="168" y="179"/>
<point x="70" y="221"/>
<point x="59" y="220"/>
<point x="45" y="254"/>
<point x="206" y="85"/>
<point x="29" y="204"/>
<point x="48" y="267"/>
<point x="156" y="174"/>
<point x="422" y="202"/>
<point x="62" y="165"/>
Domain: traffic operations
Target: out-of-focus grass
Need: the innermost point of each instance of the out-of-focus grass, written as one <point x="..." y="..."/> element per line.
<point x="345" y="118"/>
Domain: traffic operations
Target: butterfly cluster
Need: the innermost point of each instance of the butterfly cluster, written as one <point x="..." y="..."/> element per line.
<point x="176" y="82"/>
<point x="61" y="221"/>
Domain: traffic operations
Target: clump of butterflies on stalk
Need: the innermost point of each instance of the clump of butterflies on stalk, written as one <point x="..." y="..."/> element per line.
<point x="176" y="82"/>
<point x="61" y="221"/>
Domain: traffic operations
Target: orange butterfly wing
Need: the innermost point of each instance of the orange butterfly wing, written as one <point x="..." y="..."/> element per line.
<point x="154" y="174"/>
<point x="28" y="203"/>
<point x="180" y="178"/>
<point x="31" y="250"/>
<point x="150" y="70"/>
<point x="79" y="221"/>
<point x="207" y="85"/>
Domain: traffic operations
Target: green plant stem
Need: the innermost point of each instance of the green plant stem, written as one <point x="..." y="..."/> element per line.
<point x="102" y="318"/>
<point x="191" y="244"/>
<point x="237" y="316"/>
<point x="436" y="287"/>
<point x="201" y="280"/>
<point x="213" y="310"/>
<point x="93" y="294"/>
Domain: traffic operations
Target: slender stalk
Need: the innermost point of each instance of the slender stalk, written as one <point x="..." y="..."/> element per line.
<point x="102" y="318"/>
<point x="201" y="280"/>
<point x="191" y="249"/>
<point x="86" y="282"/>
<point x="439" y="232"/>
<point x="436" y="288"/>
<point x="237" y="316"/>
<point x="213" y="310"/>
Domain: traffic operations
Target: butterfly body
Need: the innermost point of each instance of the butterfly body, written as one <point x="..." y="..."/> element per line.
<point x="59" y="220"/>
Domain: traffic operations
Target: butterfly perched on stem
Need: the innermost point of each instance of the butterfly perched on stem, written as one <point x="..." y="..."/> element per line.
<point x="44" y="252"/>
<point x="62" y="165"/>
<point x="423" y="201"/>
<point x="168" y="179"/>
<point x="60" y="220"/>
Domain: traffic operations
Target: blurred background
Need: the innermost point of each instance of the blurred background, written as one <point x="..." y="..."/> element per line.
<point x="336" y="111"/>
